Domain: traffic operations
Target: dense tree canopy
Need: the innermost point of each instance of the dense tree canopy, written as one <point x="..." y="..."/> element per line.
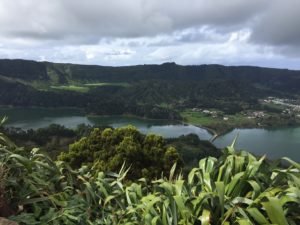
<point x="106" y="150"/>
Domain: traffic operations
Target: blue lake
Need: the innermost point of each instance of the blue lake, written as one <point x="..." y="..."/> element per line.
<point x="275" y="143"/>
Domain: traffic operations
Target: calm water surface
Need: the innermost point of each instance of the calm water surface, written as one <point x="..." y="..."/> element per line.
<point x="275" y="143"/>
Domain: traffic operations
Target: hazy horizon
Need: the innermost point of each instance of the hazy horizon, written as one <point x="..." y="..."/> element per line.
<point x="166" y="62"/>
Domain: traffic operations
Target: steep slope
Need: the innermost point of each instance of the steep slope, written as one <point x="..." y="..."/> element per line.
<point x="158" y="89"/>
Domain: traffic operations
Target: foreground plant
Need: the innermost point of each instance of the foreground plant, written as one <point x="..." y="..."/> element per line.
<point x="237" y="188"/>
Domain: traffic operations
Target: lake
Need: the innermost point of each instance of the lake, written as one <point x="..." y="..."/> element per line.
<point x="275" y="143"/>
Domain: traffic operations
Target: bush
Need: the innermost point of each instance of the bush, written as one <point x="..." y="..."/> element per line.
<point x="106" y="150"/>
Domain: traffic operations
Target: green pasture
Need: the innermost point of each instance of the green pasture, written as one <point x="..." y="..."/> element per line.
<point x="86" y="87"/>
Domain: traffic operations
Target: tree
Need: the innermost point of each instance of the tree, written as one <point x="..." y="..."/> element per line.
<point x="108" y="149"/>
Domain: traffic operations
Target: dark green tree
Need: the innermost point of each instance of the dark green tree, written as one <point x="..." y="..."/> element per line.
<point x="106" y="150"/>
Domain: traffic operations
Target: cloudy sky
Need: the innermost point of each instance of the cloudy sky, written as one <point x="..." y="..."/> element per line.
<point x="127" y="32"/>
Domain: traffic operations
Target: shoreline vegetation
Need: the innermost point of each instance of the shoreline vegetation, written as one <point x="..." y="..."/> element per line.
<point x="217" y="131"/>
<point x="215" y="134"/>
<point x="219" y="124"/>
<point x="215" y="126"/>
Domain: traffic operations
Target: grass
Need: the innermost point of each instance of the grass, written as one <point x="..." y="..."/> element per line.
<point x="86" y="87"/>
<point x="121" y="84"/>
<point x="198" y="118"/>
<point x="71" y="88"/>
<point x="218" y="124"/>
<point x="272" y="106"/>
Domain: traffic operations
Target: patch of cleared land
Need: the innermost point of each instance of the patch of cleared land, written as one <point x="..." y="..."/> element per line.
<point x="107" y="84"/>
<point x="220" y="123"/>
<point x="71" y="88"/>
<point x="86" y="87"/>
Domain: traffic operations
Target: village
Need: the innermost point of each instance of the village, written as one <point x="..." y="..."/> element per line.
<point x="289" y="106"/>
<point x="249" y="114"/>
<point x="285" y="108"/>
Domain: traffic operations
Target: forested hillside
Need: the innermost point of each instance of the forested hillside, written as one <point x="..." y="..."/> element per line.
<point x="156" y="91"/>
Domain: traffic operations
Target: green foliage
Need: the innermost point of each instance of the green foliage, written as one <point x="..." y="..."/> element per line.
<point x="154" y="91"/>
<point x="23" y="69"/>
<point x="4" y="140"/>
<point x="52" y="139"/>
<point x="192" y="149"/>
<point x="106" y="150"/>
<point x="237" y="188"/>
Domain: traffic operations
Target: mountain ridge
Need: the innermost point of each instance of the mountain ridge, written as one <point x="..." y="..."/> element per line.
<point x="158" y="64"/>
<point x="155" y="91"/>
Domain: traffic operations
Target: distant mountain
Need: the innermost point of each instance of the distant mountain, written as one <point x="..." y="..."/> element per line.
<point x="141" y="89"/>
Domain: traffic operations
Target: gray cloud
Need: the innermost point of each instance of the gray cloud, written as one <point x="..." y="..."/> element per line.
<point x="279" y="25"/>
<point x="106" y="18"/>
<point x="119" y="32"/>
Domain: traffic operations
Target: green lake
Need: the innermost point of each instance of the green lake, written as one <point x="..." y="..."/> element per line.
<point x="275" y="143"/>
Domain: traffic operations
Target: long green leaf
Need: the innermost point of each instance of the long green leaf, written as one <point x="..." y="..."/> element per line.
<point x="275" y="211"/>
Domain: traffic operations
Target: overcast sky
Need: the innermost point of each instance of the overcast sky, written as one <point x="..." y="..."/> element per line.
<point x="127" y="32"/>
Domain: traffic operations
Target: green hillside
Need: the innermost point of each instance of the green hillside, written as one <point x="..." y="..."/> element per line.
<point x="154" y="91"/>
